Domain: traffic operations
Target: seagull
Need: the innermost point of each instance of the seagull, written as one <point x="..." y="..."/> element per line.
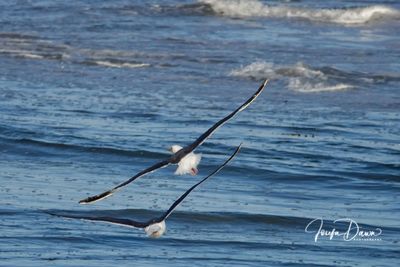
<point x="155" y="227"/>
<point x="186" y="160"/>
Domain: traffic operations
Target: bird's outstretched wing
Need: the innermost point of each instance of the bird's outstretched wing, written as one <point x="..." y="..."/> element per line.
<point x="108" y="193"/>
<point x="210" y="131"/>
<point x="181" y="198"/>
<point x="119" y="221"/>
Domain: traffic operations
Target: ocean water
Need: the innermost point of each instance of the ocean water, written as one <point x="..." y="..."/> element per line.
<point x="91" y="92"/>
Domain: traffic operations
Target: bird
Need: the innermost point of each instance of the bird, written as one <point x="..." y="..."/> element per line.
<point x="186" y="160"/>
<point x="155" y="227"/>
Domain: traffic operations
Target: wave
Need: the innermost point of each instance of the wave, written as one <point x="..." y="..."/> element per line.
<point x="301" y="78"/>
<point x="239" y="218"/>
<point x="88" y="149"/>
<point x="33" y="54"/>
<point x="116" y="64"/>
<point x="347" y="16"/>
<point x="34" y="48"/>
<point x="209" y="217"/>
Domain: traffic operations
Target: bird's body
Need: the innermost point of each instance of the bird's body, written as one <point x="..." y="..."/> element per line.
<point x="188" y="164"/>
<point x="156" y="230"/>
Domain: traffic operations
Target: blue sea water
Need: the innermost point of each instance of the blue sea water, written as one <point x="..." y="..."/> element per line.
<point x="92" y="92"/>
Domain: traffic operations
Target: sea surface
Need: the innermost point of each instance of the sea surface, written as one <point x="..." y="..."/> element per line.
<point x="92" y="92"/>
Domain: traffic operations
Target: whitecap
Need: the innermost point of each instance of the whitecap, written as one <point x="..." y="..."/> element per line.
<point x="30" y="56"/>
<point x="347" y="16"/>
<point x="300" y="77"/>
<point x="21" y="53"/>
<point x="120" y="65"/>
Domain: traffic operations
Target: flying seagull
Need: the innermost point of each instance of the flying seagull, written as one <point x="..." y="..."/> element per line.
<point x="156" y="226"/>
<point x="185" y="158"/>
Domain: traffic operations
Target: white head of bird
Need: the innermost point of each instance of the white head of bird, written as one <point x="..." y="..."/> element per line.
<point x="188" y="164"/>
<point x="156" y="230"/>
<point x="175" y="148"/>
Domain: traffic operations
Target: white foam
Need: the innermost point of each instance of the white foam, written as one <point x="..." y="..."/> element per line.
<point x="254" y="8"/>
<point x="31" y="56"/>
<point x="21" y="53"/>
<point x="257" y="70"/>
<point x="22" y="46"/>
<point x="120" y="65"/>
<point x="301" y="77"/>
<point x="305" y="87"/>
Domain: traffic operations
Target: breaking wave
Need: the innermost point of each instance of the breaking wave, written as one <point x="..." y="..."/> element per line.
<point x="347" y="16"/>
<point x="35" y="48"/>
<point x="115" y="64"/>
<point x="301" y="78"/>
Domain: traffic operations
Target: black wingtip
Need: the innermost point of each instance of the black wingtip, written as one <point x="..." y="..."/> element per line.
<point x="236" y="151"/>
<point x="240" y="146"/>
<point x="263" y="85"/>
<point x="95" y="198"/>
